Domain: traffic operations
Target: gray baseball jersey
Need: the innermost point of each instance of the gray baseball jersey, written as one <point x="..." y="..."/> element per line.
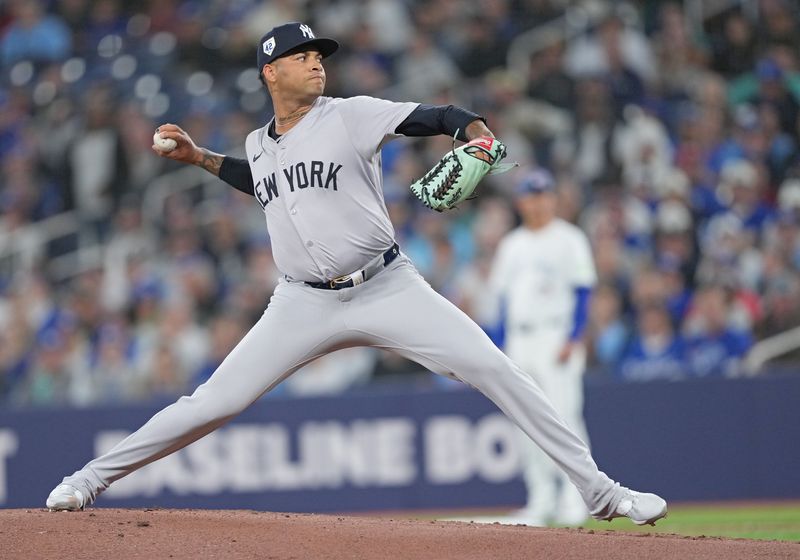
<point x="320" y="188"/>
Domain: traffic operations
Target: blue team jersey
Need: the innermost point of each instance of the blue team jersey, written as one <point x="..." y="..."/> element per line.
<point x="642" y="364"/>
<point x="719" y="354"/>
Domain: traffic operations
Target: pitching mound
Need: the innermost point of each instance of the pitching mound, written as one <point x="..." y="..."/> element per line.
<point x="148" y="534"/>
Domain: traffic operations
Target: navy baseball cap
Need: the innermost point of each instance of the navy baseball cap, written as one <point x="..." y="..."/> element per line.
<point x="536" y="182"/>
<point x="284" y="38"/>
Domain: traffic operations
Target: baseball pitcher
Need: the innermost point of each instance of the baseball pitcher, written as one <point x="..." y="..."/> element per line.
<point x="315" y="170"/>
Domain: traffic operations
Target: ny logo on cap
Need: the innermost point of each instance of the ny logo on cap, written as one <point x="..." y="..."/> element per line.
<point x="307" y="31"/>
<point x="269" y="46"/>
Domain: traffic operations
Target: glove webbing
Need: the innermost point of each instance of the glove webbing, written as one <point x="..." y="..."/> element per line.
<point x="449" y="179"/>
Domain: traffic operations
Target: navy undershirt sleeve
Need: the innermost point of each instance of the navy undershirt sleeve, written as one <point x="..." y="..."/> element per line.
<point x="236" y="172"/>
<point x="430" y="120"/>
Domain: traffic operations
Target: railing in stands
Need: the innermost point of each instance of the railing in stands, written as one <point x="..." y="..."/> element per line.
<point x="25" y="249"/>
<point x="769" y="349"/>
<point x="22" y="249"/>
<point x="170" y="184"/>
<point x="575" y="21"/>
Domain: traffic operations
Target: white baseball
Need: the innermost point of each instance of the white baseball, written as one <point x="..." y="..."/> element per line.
<point x="164" y="144"/>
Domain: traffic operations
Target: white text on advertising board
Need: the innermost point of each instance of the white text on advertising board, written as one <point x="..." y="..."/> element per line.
<point x="376" y="453"/>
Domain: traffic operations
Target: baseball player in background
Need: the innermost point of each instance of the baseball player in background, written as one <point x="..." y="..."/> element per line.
<point x="543" y="274"/>
<point x="315" y="170"/>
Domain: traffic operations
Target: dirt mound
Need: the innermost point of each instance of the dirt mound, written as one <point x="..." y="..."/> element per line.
<point x="149" y="534"/>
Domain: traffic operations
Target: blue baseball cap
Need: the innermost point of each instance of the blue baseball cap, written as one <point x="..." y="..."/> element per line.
<point x="284" y="38"/>
<point x="768" y="70"/>
<point x="536" y="182"/>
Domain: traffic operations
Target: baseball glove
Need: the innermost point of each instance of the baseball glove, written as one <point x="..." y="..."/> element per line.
<point x="454" y="179"/>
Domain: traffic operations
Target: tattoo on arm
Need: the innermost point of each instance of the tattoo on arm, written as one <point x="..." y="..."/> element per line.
<point x="210" y="161"/>
<point x="476" y="129"/>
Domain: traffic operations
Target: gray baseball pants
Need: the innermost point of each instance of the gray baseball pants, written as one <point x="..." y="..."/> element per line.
<point x="396" y="310"/>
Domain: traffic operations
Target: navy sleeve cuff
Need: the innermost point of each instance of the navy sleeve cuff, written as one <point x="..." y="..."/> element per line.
<point x="236" y="172"/>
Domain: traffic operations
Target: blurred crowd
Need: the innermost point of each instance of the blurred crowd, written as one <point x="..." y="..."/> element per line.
<point x="674" y="141"/>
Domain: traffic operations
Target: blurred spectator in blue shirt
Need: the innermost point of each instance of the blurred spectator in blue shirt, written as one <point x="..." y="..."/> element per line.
<point x="226" y="331"/>
<point x="47" y="381"/>
<point x="717" y="347"/>
<point x="111" y="364"/>
<point x="34" y="35"/>
<point x="607" y="333"/>
<point x="655" y="352"/>
<point x="741" y="189"/>
<point x="674" y="235"/>
<point x="774" y="91"/>
<point x="679" y="294"/>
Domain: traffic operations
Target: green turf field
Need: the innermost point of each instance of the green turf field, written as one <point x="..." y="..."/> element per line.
<point x="767" y="521"/>
<point x="774" y="521"/>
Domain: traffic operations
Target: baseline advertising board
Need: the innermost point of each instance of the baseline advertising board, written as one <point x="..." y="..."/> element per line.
<point x="708" y="439"/>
